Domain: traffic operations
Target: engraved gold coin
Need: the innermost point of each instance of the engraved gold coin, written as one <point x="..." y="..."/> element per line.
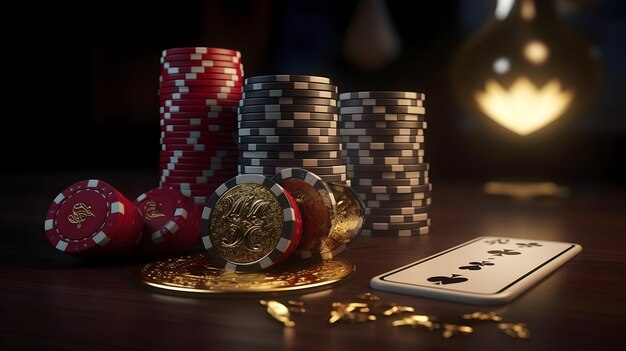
<point x="200" y="274"/>
<point x="347" y="221"/>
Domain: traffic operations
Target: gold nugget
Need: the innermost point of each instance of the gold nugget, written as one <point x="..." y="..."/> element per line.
<point x="449" y="330"/>
<point x="417" y="320"/>
<point x="481" y="316"/>
<point x="353" y="311"/>
<point x="396" y="309"/>
<point x="279" y="311"/>
<point x="368" y="296"/>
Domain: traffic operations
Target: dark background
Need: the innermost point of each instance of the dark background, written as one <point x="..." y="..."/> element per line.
<point x="79" y="91"/>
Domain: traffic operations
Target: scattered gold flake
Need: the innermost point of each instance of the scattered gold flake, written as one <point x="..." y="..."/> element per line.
<point x="417" y="320"/>
<point x="515" y="330"/>
<point x="352" y="311"/>
<point x="482" y="316"/>
<point x="296" y="306"/>
<point x="279" y="311"/>
<point x="395" y="309"/>
<point x="449" y="330"/>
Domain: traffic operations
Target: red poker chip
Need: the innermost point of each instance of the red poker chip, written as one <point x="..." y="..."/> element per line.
<point x="201" y="154"/>
<point x="205" y="160"/>
<point x="201" y="63"/>
<point x="197" y="57"/>
<point x="196" y="99"/>
<point x="187" y="128"/>
<point x="216" y="114"/>
<point x="195" y="147"/>
<point x="217" y="138"/>
<point x="297" y="230"/>
<point x="227" y="167"/>
<point x="202" y="70"/>
<point x="198" y="89"/>
<point x="170" y="222"/>
<point x="200" y="50"/>
<point x="197" y="134"/>
<point x="220" y="107"/>
<point x="193" y="76"/>
<point x="199" y="82"/>
<point x="213" y="173"/>
<point x="196" y="179"/>
<point x="203" y="123"/>
<point x="92" y="219"/>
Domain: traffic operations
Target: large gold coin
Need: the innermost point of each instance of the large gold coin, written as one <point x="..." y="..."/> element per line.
<point x="199" y="274"/>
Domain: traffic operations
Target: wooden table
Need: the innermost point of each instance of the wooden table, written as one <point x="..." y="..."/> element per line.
<point x="49" y="300"/>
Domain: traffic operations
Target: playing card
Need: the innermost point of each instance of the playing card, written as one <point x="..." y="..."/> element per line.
<point x="485" y="270"/>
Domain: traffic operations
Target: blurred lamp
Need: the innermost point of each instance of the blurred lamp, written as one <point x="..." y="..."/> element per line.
<point x="524" y="68"/>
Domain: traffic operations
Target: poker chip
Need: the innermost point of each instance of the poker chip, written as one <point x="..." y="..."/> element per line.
<point x="91" y="219"/>
<point x="250" y="223"/>
<point x="280" y="139"/>
<point x="195" y="111"/>
<point x="196" y="179"/>
<point x="419" y="138"/>
<point x="287" y="101"/>
<point x="198" y="173"/>
<point x="317" y="206"/>
<point x="380" y="102"/>
<point x="305" y="163"/>
<point x="212" y="160"/>
<point x="381" y="117"/>
<point x="199" y="82"/>
<point x="196" y="98"/>
<point x="396" y="233"/>
<point x="362" y="161"/>
<point x="390" y="175"/>
<point x="290" y="93"/>
<point x="360" y="181"/>
<point x="395" y="226"/>
<point x="383" y="132"/>
<point x="366" y="196"/>
<point x="201" y="69"/>
<point x="287" y="108"/>
<point x="289" y="85"/>
<point x="288" y="78"/>
<point x="392" y="219"/>
<point x="379" y="124"/>
<point x="383" y="146"/>
<point x="200" y="89"/>
<point x="204" y="166"/>
<point x="284" y="116"/>
<point x="382" y="95"/>
<point x="203" y="76"/>
<point x="171" y="222"/>
<point x="393" y="189"/>
<point x="200" y="50"/>
<point x="287" y="124"/>
<point x="382" y="109"/>
<point x="290" y="154"/>
<point x="200" y="57"/>
<point x="382" y="153"/>
<point x="287" y="131"/>
<point x="218" y="152"/>
<point x="197" y="134"/>
<point x="320" y="170"/>
<point x="392" y="204"/>
<point x="201" y="63"/>
<point x="389" y="168"/>
<point x="294" y="147"/>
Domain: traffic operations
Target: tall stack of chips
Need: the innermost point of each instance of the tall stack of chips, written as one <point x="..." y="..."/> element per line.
<point x="290" y="121"/>
<point x="199" y="92"/>
<point x="383" y="142"/>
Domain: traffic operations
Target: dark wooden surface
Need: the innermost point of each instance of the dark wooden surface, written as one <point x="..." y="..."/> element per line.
<point x="52" y="301"/>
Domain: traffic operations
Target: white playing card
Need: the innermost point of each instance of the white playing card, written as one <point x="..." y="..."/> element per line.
<point x="485" y="270"/>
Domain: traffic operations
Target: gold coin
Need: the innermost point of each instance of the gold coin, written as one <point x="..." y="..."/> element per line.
<point x="246" y="224"/>
<point x="199" y="274"/>
<point x="347" y="221"/>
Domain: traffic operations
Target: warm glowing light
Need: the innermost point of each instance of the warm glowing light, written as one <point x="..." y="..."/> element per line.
<point x="524" y="108"/>
<point x="536" y="52"/>
<point x="501" y="65"/>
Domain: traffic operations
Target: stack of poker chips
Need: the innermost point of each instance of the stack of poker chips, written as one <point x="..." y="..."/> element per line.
<point x="383" y="142"/>
<point x="199" y="90"/>
<point x="289" y="121"/>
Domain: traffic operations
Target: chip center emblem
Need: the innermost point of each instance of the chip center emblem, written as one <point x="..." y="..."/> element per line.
<point x="152" y="210"/>
<point x="80" y="213"/>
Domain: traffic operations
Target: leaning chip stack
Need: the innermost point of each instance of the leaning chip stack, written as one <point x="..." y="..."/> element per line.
<point x="289" y="121"/>
<point x="91" y="219"/>
<point x="383" y="146"/>
<point x="199" y="89"/>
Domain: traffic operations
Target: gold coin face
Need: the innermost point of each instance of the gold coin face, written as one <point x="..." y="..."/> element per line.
<point x="347" y="221"/>
<point x="198" y="274"/>
<point x="246" y="224"/>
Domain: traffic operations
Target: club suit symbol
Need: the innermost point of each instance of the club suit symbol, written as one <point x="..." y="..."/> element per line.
<point x="504" y="252"/>
<point x="476" y="266"/>
<point x="445" y="280"/>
